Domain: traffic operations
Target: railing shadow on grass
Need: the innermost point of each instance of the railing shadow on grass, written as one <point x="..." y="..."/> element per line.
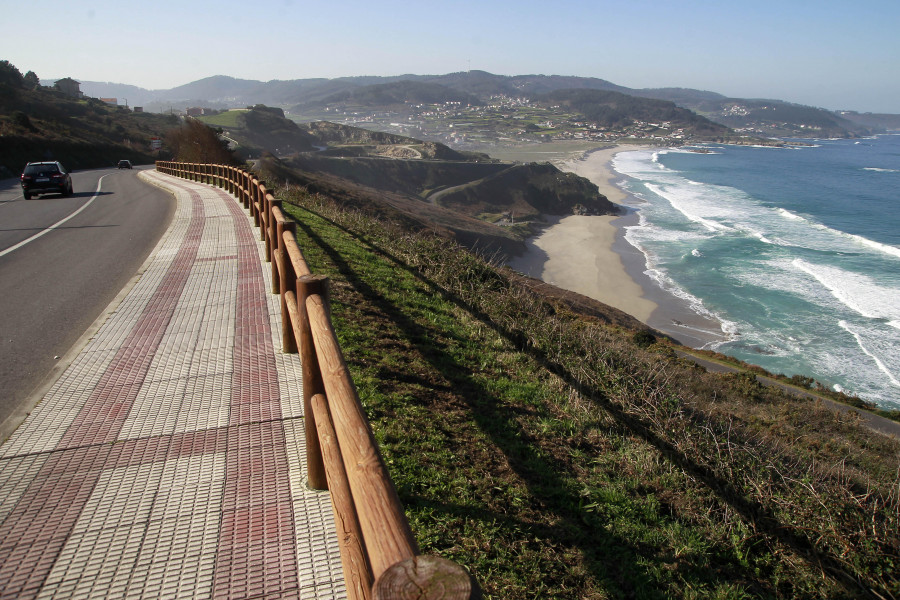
<point x="761" y="517"/>
<point x="542" y="476"/>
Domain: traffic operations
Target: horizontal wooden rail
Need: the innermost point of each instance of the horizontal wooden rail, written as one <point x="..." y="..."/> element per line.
<point x="379" y="554"/>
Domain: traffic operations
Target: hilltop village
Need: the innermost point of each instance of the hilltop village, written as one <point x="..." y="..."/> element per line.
<point x="503" y="120"/>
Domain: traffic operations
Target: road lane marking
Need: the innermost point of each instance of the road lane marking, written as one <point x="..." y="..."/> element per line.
<point x="58" y="223"/>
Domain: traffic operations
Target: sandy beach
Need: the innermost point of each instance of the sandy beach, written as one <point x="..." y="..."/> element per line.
<point x="590" y="255"/>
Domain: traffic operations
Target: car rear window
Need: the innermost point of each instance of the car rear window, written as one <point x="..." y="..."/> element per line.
<point x="40" y="169"/>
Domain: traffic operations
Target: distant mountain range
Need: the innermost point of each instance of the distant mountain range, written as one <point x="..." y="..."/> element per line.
<point x="758" y="116"/>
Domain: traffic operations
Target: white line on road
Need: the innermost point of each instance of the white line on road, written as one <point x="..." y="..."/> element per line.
<point x="58" y="223"/>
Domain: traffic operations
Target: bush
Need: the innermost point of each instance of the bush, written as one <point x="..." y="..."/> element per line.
<point x="803" y="381"/>
<point x="22" y="120"/>
<point x="643" y="338"/>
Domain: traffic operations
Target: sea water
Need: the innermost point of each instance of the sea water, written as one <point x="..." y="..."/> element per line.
<point x="796" y="251"/>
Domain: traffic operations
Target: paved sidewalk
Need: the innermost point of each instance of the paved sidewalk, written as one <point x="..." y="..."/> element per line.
<point x="168" y="459"/>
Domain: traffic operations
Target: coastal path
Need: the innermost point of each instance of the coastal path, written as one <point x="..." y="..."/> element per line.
<point x="168" y="459"/>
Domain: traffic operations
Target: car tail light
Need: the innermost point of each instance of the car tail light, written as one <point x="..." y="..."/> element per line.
<point x="57" y="176"/>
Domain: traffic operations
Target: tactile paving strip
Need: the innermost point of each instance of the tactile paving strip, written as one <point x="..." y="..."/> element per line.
<point x="168" y="460"/>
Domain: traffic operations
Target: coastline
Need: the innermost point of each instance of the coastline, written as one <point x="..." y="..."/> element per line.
<point x="590" y="255"/>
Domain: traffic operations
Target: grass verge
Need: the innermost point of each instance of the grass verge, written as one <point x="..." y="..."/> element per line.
<point x="555" y="457"/>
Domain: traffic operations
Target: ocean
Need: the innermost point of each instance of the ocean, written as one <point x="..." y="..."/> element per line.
<point x="795" y="251"/>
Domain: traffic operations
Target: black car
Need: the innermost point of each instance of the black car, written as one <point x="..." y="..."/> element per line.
<point x="45" y="178"/>
<point x="124" y="164"/>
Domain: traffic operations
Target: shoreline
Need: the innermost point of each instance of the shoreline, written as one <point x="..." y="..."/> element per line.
<point x="612" y="271"/>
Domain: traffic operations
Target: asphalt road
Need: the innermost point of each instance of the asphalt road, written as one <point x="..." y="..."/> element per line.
<point x="62" y="261"/>
<point x="873" y="421"/>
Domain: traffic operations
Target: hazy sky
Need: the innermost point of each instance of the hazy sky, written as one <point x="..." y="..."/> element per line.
<point x="837" y="54"/>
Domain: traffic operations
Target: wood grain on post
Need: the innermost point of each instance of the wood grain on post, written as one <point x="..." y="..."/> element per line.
<point x="312" y="377"/>
<point x="386" y="531"/>
<point x="357" y="572"/>
<point x="426" y="578"/>
<point x="291" y="304"/>
<point x="293" y="250"/>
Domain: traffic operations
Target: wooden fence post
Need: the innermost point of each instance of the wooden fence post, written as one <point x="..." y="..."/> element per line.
<point x="357" y="571"/>
<point x="431" y="577"/>
<point x="267" y="224"/>
<point x="308" y="285"/>
<point x="286" y="276"/>
<point x="386" y="531"/>
<point x="274" y="241"/>
<point x="248" y="182"/>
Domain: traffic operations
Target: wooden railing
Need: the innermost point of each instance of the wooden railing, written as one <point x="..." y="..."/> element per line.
<point x="379" y="555"/>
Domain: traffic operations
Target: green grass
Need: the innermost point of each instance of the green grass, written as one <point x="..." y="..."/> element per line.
<point x="555" y="458"/>
<point x="226" y="119"/>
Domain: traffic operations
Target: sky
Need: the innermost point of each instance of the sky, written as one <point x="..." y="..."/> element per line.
<point x="834" y="54"/>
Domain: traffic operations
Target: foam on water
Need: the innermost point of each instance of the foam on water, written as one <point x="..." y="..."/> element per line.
<point x="856" y="291"/>
<point x="871" y="353"/>
<point x="773" y="271"/>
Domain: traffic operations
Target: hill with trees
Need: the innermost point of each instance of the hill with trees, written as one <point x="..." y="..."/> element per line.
<point x="387" y="95"/>
<point x="614" y="110"/>
<point x="41" y="123"/>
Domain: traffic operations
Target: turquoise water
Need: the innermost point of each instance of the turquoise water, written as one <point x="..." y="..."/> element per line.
<point x="796" y="251"/>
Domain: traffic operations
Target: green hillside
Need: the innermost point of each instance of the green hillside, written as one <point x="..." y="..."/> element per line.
<point x="399" y="93"/>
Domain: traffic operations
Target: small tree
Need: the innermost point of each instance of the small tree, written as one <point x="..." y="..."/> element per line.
<point x="31" y="80"/>
<point x="196" y="142"/>
<point x="10" y="75"/>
